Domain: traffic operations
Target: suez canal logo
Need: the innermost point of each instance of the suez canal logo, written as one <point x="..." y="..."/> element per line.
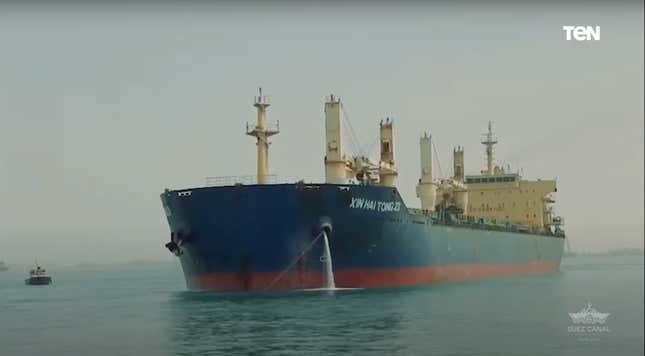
<point x="582" y="33"/>
<point x="375" y="205"/>
<point x="588" y="323"/>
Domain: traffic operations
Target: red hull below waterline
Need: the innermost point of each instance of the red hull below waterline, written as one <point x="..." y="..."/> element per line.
<point x="365" y="278"/>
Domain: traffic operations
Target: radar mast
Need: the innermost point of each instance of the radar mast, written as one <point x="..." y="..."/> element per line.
<point x="489" y="141"/>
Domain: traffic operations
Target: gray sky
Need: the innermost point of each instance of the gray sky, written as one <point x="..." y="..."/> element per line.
<point x="101" y="108"/>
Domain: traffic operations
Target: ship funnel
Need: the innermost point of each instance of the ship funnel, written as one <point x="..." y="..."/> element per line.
<point x="262" y="133"/>
<point x="427" y="188"/>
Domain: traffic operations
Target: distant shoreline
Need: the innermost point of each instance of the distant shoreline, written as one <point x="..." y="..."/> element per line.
<point x="617" y="252"/>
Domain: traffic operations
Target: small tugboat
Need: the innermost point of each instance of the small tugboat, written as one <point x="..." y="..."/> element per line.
<point x="38" y="276"/>
<point x="3" y="267"/>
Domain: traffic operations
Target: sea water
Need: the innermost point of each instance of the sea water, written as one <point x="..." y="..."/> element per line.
<point x="145" y="310"/>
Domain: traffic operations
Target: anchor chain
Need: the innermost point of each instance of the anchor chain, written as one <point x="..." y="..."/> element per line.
<point x="295" y="260"/>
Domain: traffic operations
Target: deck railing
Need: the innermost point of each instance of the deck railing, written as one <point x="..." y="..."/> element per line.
<point x="233" y="180"/>
<point x="483" y="224"/>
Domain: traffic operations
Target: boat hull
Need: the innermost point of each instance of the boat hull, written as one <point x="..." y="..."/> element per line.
<point x="267" y="238"/>
<point x="38" y="281"/>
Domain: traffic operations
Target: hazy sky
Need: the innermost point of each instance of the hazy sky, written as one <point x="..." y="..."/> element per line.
<point x="101" y="108"/>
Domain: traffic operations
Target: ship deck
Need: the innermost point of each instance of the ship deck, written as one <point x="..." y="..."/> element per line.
<point x="470" y="222"/>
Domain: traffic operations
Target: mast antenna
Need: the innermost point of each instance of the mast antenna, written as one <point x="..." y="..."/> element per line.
<point x="262" y="132"/>
<point x="489" y="141"/>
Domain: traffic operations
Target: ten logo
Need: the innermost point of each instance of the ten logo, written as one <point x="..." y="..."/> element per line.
<point x="582" y="33"/>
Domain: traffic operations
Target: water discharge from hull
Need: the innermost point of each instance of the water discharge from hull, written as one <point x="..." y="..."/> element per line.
<point x="330" y="283"/>
<point x="329" y="268"/>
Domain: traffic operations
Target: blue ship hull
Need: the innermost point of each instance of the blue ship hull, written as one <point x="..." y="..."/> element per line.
<point x="267" y="237"/>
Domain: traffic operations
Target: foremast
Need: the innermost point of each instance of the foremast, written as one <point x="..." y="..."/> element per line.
<point x="262" y="133"/>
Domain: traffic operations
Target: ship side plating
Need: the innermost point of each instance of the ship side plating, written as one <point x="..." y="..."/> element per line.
<point x="258" y="238"/>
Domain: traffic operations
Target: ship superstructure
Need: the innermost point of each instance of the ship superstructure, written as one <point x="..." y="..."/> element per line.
<point x="495" y="196"/>
<point x="264" y="236"/>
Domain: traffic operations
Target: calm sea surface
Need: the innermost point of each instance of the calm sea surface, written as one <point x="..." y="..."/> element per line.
<point x="145" y="310"/>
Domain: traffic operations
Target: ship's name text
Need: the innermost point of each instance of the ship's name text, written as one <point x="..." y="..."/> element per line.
<point x="380" y="206"/>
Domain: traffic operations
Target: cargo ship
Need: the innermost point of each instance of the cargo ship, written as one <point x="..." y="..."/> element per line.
<point x="255" y="234"/>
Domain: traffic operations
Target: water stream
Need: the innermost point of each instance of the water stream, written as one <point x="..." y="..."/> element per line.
<point x="329" y="268"/>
